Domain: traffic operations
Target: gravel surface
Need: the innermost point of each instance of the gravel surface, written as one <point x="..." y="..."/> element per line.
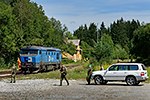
<point x="48" y="89"/>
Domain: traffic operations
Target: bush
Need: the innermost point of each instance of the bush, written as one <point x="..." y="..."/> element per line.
<point x="2" y="63"/>
<point x="142" y="60"/>
<point x="86" y="66"/>
<point x="120" y="53"/>
<point x="105" y="61"/>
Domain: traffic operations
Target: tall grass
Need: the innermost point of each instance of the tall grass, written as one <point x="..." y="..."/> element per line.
<point x="148" y="71"/>
<point x="75" y="73"/>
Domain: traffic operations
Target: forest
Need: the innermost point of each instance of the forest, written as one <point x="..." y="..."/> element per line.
<point x="24" y="23"/>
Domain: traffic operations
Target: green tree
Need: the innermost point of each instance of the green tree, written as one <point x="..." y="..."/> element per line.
<point x="141" y="42"/>
<point x="86" y="50"/>
<point x="104" y="49"/>
<point x="122" y="33"/>
<point x="118" y="33"/>
<point x="102" y="29"/>
<point x="81" y="33"/>
<point x="119" y="52"/>
<point x="92" y="34"/>
<point x="69" y="35"/>
<point x="59" y="31"/>
<point x="8" y="2"/>
<point x="88" y="35"/>
<point x="8" y="32"/>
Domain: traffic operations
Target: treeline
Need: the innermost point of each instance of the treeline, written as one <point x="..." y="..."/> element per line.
<point x="121" y="40"/>
<point x="24" y="23"/>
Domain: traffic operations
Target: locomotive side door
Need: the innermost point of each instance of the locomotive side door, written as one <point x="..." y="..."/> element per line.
<point x="43" y="57"/>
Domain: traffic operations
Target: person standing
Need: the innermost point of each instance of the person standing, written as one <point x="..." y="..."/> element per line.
<point x="63" y="72"/>
<point x="84" y="60"/>
<point x="118" y="61"/>
<point x="13" y="73"/>
<point x="101" y="67"/>
<point x="89" y="73"/>
<point x="19" y="64"/>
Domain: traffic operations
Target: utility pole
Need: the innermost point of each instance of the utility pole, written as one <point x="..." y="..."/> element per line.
<point x="101" y="37"/>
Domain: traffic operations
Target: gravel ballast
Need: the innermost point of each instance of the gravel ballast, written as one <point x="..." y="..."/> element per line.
<point x="46" y="89"/>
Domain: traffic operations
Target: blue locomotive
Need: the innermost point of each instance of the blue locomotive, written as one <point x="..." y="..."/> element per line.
<point x="39" y="58"/>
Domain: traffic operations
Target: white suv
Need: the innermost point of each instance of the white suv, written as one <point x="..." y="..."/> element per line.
<point x="131" y="73"/>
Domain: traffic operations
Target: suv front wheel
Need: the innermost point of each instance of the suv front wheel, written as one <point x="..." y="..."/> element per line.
<point x="131" y="81"/>
<point x="98" y="80"/>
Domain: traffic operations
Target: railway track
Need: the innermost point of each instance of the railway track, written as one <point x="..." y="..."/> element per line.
<point x="7" y="74"/>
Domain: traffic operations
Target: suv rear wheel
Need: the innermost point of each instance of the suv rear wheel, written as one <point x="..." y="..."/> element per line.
<point x="131" y="81"/>
<point x="98" y="80"/>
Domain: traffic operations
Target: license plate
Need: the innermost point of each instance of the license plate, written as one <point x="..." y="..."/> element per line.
<point x="28" y="63"/>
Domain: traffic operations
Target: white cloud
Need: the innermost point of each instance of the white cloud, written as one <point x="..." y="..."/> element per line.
<point x="106" y="18"/>
<point x="74" y="13"/>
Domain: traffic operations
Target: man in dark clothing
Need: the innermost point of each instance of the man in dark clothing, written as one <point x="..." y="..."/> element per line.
<point x="13" y="73"/>
<point x="101" y="67"/>
<point x="89" y="73"/>
<point x="63" y="72"/>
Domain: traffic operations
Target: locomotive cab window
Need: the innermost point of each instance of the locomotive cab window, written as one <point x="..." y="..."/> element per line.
<point x="57" y="55"/>
<point x="29" y="52"/>
<point x="40" y="52"/>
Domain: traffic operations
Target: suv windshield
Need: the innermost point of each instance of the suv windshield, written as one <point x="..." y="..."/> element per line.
<point x="29" y="52"/>
<point x="113" y="68"/>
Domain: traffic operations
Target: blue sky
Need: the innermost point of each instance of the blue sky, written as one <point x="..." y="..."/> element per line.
<point x="74" y="13"/>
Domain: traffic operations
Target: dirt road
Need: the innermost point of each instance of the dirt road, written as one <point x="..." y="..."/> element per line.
<point x="49" y="89"/>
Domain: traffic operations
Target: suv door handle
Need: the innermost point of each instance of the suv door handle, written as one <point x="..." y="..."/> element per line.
<point x="125" y="72"/>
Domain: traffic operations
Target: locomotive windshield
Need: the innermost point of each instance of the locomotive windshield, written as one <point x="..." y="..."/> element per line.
<point x="28" y="52"/>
